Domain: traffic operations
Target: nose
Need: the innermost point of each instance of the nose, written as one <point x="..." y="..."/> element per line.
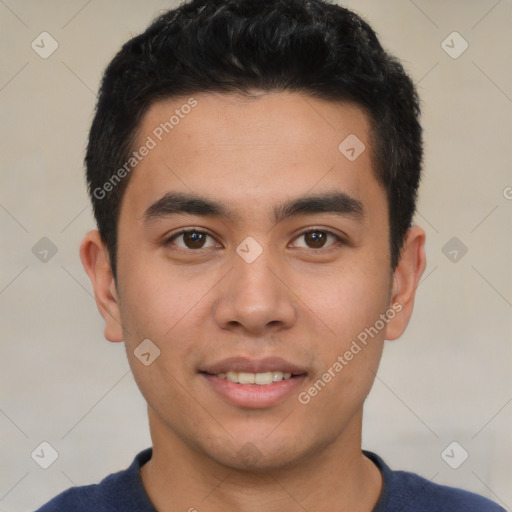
<point x="255" y="297"/>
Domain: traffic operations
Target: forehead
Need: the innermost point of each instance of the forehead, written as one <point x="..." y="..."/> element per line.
<point x="231" y="121"/>
<point x="249" y="150"/>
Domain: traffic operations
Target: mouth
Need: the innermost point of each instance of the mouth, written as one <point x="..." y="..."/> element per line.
<point x="253" y="384"/>
<point x="260" y="378"/>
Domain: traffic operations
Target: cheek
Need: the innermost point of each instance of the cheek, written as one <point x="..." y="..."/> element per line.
<point x="349" y="299"/>
<point x="350" y="306"/>
<point x="350" y="353"/>
<point x="147" y="306"/>
<point x="167" y="307"/>
<point x="165" y="310"/>
<point x="152" y="298"/>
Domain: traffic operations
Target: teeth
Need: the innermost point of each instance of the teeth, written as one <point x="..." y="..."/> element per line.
<point x="262" y="379"/>
<point x="232" y="376"/>
<point x="246" y="378"/>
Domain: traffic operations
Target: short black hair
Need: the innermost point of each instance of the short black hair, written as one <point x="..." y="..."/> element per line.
<point x="240" y="46"/>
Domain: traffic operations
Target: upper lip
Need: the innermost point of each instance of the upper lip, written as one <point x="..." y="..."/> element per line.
<point x="243" y="364"/>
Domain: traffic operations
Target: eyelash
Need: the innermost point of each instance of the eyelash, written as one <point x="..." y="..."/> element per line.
<point x="338" y="238"/>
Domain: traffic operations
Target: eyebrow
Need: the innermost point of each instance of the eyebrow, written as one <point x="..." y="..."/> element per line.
<point x="178" y="203"/>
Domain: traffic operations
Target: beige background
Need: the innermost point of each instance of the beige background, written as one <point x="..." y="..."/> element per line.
<point x="448" y="379"/>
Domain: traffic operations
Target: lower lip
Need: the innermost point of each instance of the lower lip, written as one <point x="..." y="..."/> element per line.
<point x="254" y="396"/>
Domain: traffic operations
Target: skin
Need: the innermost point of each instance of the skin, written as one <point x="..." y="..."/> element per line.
<point x="297" y="300"/>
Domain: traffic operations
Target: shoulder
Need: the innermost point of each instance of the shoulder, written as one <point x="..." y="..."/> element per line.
<point x="78" y="499"/>
<point x="405" y="491"/>
<point x="119" y="491"/>
<point x="432" y="497"/>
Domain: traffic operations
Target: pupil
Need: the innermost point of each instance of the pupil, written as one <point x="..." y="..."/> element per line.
<point x="317" y="238"/>
<point x="194" y="238"/>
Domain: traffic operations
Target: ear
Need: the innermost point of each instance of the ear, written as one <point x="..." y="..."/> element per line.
<point x="406" y="279"/>
<point x="96" y="262"/>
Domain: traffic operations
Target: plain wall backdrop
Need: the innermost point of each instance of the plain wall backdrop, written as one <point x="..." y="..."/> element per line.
<point x="446" y="380"/>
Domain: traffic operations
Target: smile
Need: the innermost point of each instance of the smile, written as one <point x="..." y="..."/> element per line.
<point x="254" y="390"/>
<point x="261" y="379"/>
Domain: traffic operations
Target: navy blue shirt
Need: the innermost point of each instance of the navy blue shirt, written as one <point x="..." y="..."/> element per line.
<point x="401" y="491"/>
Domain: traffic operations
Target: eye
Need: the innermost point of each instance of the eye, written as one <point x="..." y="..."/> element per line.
<point x="191" y="239"/>
<point x="317" y="238"/>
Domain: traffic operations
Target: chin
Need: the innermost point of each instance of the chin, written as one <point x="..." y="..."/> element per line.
<point x="257" y="455"/>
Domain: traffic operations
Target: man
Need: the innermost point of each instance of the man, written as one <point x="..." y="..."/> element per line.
<point x="253" y="168"/>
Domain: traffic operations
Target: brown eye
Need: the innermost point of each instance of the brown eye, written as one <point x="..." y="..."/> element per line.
<point x="194" y="240"/>
<point x="191" y="239"/>
<point x="317" y="239"/>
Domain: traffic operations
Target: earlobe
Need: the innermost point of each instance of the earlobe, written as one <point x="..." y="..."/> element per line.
<point x="96" y="262"/>
<point x="406" y="279"/>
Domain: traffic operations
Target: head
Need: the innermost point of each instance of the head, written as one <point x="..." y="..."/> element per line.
<point x="246" y="47"/>
<point x="231" y="118"/>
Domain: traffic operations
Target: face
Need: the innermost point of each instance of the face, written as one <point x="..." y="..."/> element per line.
<point x="249" y="242"/>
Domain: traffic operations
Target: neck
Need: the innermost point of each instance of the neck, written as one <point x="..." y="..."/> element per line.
<point x="333" y="477"/>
